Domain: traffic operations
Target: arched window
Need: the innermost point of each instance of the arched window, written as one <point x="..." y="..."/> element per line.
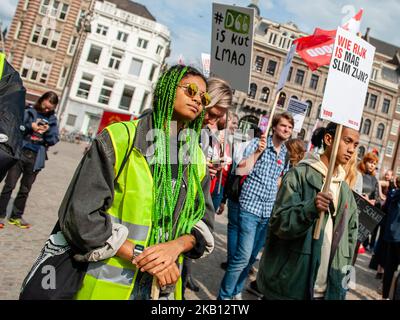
<point x="367" y="126"/>
<point x="301" y="134"/>
<point x="309" y="107"/>
<point x="361" y="152"/>
<point x="264" y="94"/>
<point x="380" y="131"/>
<point x="281" y="100"/>
<point x="319" y="112"/>
<point x="253" y="91"/>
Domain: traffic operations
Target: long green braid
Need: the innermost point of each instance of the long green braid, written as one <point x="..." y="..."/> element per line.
<point x="165" y="199"/>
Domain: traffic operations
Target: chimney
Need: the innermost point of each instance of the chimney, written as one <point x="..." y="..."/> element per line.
<point x="366" y="36"/>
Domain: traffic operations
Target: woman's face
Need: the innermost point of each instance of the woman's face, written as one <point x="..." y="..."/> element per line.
<point x="47" y="106"/>
<point x="188" y="108"/>
<point x="370" y="165"/>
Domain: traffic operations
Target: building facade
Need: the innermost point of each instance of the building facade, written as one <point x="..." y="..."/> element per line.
<point x="39" y="43"/>
<point x="120" y="62"/>
<point x="380" y="123"/>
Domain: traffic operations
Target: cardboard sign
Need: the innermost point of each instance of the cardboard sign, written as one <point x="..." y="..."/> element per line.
<point x="205" y="60"/>
<point x="298" y="109"/>
<point x="263" y="123"/>
<point x="286" y="67"/>
<point x="348" y="79"/>
<point x="232" y="44"/>
<point x="368" y="216"/>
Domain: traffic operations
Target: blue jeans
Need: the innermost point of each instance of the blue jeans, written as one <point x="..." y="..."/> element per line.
<point x="217" y="197"/>
<point x="252" y="235"/>
<point x="233" y="228"/>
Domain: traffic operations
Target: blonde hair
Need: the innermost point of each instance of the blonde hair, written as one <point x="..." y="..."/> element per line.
<point x="351" y="171"/>
<point x="220" y="92"/>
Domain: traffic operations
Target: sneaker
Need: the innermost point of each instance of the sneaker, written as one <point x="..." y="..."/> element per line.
<point x="238" y="296"/>
<point x="19" y="222"/>
<point x="252" y="288"/>
<point x="1" y="223"/>
<point x="224" y="265"/>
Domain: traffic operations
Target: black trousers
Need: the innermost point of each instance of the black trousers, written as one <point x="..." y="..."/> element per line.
<point x="23" y="167"/>
<point x="391" y="263"/>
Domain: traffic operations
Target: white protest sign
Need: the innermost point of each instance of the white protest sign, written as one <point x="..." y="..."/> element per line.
<point x="205" y="60"/>
<point x="286" y="67"/>
<point x="348" y="78"/>
<point x="263" y="123"/>
<point x="232" y="44"/>
<point x="298" y="109"/>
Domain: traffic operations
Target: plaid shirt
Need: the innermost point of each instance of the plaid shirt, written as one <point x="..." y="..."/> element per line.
<point x="260" y="187"/>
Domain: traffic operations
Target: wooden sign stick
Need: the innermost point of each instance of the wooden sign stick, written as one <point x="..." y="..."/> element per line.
<point x="271" y="116"/>
<point x="328" y="180"/>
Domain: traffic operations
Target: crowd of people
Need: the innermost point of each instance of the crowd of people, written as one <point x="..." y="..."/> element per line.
<point x="142" y="202"/>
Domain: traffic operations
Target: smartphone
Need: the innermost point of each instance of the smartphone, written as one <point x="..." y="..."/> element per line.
<point x="43" y="122"/>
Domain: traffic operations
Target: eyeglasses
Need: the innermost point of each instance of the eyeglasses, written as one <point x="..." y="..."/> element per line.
<point x="192" y="89"/>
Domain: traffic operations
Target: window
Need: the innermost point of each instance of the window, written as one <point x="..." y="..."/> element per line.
<point x="294" y="97"/>
<point x="380" y="131"/>
<point x="253" y="91"/>
<point x="126" y="98"/>
<point x="142" y="43"/>
<point x="144" y="101"/>
<point x="94" y="54"/>
<point x="54" y="8"/>
<point x="84" y="86"/>
<point x="63" y="12"/>
<point x="37" y="30"/>
<point x="299" y="77"/>
<point x="390" y="148"/>
<point x="290" y="74"/>
<point x="18" y="30"/>
<point x="361" y="152"/>
<point x="385" y="105"/>
<point x="35" y="69"/>
<point x="136" y="67"/>
<point x="271" y="67"/>
<point x="45" y="37"/>
<point x="122" y="36"/>
<point x="314" y="81"/>
<point x="159" y="50"/>
<point x="372" y="101"/>
<point x="55" y="39"/>
<point x="398" y="106"/>
<point x="366" y="99"/>
<point x="115" y="60"/>
<point x="272" y="38"/>
<point x="395" y="127"/>
<point x="367" y="127"/>
<point x="152" y="72"/>
<point x="46" y="66"/>
<point x="309" y="108"/>
<point x="374" y="73"/>
<point x="259" y="63"/>
<point x="63" y="77"/>
<point x="101" y="30"/>
<point x="319" y="111"/>
<point x="26" y="4"/>
<point x="264" y="94"/>
<point x="106" y="91"/>
<point x="71" y="120"/>
<point x="281" y="100"/>
<point x="72" y="45"/>
<point x="26" y="67"/>
<point x="44" y="7"/>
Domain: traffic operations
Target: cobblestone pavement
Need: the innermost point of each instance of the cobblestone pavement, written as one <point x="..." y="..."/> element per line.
<point x="19" y="248"/>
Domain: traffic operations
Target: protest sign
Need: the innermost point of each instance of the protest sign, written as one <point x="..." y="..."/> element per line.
<point x="232" y="44"/>
<point x="298" y="109"/>
<point x="263" y="123"/>
<point x="205" y="60"/>
<point x="286" y="67"/>
<point x="369" y="217"/>
<point x="348" y="79"/>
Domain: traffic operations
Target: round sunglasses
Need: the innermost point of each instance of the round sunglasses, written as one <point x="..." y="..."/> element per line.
<point x="191" y="89"/>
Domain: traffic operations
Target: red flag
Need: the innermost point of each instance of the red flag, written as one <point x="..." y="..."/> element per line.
<point x="110" y="117"/>
<point x="316" y="50"/>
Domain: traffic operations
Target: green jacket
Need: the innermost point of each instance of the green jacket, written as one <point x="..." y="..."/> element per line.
<point x="291" y="258"/>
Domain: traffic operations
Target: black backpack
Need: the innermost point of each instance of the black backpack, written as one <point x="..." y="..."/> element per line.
<point x="12" y="105"/>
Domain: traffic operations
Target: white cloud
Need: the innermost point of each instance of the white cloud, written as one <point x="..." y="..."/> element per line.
<point x="7" y="11"/>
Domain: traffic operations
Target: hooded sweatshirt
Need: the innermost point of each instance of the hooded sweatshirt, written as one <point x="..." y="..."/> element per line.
<point x="337" y="178"/>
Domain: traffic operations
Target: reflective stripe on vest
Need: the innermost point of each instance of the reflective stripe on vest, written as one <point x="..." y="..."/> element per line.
<point x="2" y="60"/>
<point x="114" y="278"/>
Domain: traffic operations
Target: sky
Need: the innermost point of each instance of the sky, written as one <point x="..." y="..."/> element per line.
<point x="190" y="20"/>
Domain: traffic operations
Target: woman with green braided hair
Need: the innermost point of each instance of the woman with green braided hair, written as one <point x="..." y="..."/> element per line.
<point x="140" y="198"/>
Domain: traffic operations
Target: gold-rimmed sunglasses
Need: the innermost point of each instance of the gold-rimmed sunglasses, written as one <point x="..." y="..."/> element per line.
<point x="191" y="89"/>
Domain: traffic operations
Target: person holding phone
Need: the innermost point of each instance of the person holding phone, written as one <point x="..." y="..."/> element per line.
<point x="40" y="132"/>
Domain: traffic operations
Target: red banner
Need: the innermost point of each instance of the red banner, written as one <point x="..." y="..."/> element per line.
<point x="112" y="117"/>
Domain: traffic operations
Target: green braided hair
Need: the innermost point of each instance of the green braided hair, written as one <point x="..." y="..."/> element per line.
<point x="165" y="196"/>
